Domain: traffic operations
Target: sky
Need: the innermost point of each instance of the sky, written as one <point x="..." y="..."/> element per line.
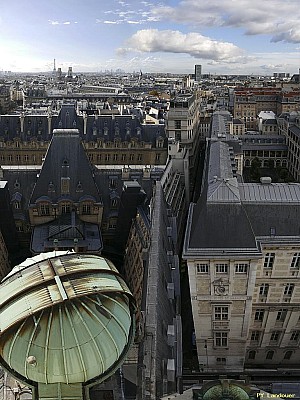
<point x="224" y="36"/>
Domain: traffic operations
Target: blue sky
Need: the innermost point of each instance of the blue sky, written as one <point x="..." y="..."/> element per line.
<point x="225" y="36"/>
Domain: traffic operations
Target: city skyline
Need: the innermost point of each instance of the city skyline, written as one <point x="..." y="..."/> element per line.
<point x="239" y="37"/>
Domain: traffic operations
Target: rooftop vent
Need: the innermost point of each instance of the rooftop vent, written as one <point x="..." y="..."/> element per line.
<point x="265" y="180"/>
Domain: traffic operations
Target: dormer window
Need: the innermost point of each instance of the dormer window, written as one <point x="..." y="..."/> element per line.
<point x="86" y="209"/>
<point x="65" y="208"/>
<point x="44" y="209"/>
<point x="65" y="185"/>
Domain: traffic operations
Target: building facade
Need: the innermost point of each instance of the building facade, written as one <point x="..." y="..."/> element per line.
<point x="242" y="246"/>
<point x="108" y="139"/>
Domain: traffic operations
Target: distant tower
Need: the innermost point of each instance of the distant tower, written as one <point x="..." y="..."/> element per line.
<point x="54" y="69"/>
<point x="198" y="72"/>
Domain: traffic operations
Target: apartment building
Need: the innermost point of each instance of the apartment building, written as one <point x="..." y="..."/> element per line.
<point x="289" y="127"/>
<point x="183" y="126"/>
<point x="249" y="102"/>
<point x="242" y="248"/>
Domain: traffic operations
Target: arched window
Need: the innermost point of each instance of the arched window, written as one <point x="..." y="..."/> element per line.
<point x="288" y="355"/>
<point x="251" y="354"/>
<point x="270" y="355"/>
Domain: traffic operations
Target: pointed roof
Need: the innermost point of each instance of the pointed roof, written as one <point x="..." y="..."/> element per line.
<point x="66" y="172"/>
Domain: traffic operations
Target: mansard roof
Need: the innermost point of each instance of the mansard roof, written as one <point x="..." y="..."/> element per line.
<point x="35" y="125"/>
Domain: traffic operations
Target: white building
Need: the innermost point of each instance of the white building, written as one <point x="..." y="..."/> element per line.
<point x="242" y="248"/>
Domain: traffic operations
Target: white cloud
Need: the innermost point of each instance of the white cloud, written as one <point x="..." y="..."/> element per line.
<point x="133" y="22"/>
<point x="193" y="44"/>
<point x="109" y="22"/>
<point x="51" y="22"/>
<point x="128" y="14"/>
<point x="272" y="17"/>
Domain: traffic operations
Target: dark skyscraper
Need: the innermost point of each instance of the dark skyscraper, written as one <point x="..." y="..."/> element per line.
<point x="198" y="72"/>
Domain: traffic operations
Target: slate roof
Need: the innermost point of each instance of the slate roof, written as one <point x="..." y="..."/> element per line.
<point x="221" y="226"/>
<point x="231" y="217"/>
<point x="104" y="127"/>
<point x="65" y="159"/>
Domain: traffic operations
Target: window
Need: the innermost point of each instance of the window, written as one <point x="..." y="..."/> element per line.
<point x="251" y="355"/>
<point x="157" y="157"/>
<point x="131" y="157"/>
<point x="86" y="209"/>
<point x="17" y="205"/>
<point x="288" y="355"/>
<point x="221" y="360"/>
<point x="281" y="314"/>
<point x="255" y="336"/>
<point x="114" y="203"/>
<point x="140" y="157"/>
<point x="221" y="313"/>
<point x="112" y="183"/>
<point x="275" y="335"/>
<point x="295" y="336"/>
<point x="65" y="208"/>
<point x="112" y="224"/>
<point x="221" y="339"/>
<point x="177" y="124"/>
<point x="296" y="261"/>
<point x="270" y="355"/>
<point x="65" y="185"/>
<point x="115" y="157"/>
<point x="241" y="268"/>
<point x="264" y="289"/>
<point x="45" y="209"/>
<point x="222" y="268"/>
<point x="288" y="289"/>
<point x="259" y="315"/>
<point x="202" y="268"/>
<point x="269" y="260"/>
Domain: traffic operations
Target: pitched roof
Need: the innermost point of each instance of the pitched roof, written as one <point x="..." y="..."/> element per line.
<point x="66" y="164"/>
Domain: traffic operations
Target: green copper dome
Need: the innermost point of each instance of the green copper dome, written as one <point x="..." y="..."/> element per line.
<point x="225" y="389"/>
<point x="66" y="318"/>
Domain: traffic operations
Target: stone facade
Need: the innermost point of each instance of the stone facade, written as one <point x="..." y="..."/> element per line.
<point x="108" y="139"/>
<point x="242" y="247"/>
